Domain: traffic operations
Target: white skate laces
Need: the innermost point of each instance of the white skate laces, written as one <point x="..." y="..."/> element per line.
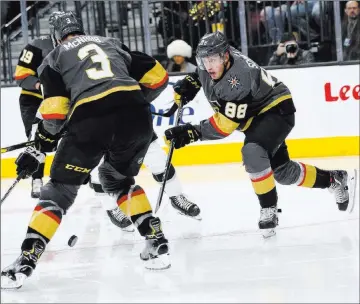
<point x="268" y="221"/>
<point x="118" y="214"/>
<point x="338" y="190"/>
<point x="182" y="202"/>
<point x="266" y="214"/>
<point x="119" y="219"/>
<point x="335" y="188"/>
<point x="343" y="186"/>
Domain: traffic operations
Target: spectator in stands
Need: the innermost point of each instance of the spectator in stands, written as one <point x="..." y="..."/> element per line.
<point x="297" y="16"/>
<point x="289" y="52"/>
<point x="173" y="20"/>
<point x="274" y="18"/>
<point x="351" y="31"/>
<point x="179" y="52"/>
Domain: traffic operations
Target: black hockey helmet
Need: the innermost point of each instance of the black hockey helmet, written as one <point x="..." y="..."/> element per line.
<point x="66" y="24"/>
<point x="53" y="16"/>
<point x="211" y="44"/>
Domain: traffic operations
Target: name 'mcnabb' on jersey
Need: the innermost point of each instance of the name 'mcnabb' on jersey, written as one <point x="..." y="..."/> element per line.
<point x="80" y="40"/>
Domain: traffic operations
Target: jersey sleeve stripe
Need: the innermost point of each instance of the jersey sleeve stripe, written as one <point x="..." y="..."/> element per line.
<point x="155" y="77"/>
<point x="222" y="124"/>
<point x="21" y="72"/>
<point x="25" y="92"/>
<point x="55" y="108"/>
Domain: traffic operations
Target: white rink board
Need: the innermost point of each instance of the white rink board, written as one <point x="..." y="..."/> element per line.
<point x="315" y="116"/>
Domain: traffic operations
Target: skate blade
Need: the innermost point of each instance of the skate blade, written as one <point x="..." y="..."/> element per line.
<point x="9" y="284"/>
<point x="198" y="217"/>
<point x="352" y="184"/>
<point x="128" y="229"/>
<point x="266" y="233"/>
<point x="160" y="262"/>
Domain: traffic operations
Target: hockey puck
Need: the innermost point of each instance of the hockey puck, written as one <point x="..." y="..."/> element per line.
<point x="72" y="240"/>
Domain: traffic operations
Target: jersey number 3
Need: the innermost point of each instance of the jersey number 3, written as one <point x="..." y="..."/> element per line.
<point x="100" y="57"/>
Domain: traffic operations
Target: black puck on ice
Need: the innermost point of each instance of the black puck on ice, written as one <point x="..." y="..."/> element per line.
<point x="72" y="240"/>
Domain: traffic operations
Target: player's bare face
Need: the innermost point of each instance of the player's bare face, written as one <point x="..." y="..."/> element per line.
<point x="214" y="65"/>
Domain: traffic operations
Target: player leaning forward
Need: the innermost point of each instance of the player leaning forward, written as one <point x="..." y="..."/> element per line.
<point x="30" y="99"/>
<point x="247" y="98"/>
<point x="86" y="81"/>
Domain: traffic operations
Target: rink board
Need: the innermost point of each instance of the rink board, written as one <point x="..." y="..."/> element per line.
<point x="231" y="152"/>
<point x="327" y="119"/>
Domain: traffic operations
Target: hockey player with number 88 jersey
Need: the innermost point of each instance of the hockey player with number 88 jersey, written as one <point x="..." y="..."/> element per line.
<point x="246" y="98"/>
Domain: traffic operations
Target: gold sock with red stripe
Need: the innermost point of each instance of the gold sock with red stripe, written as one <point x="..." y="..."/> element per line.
<point x="264" y="186"/>
<point x="45" y="220"/>
<point x="313" y="177"/>
<point x="136" y="205"/>
<point x="134" y="202"/>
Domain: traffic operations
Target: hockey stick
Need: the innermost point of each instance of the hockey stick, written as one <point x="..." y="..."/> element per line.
<point x="168" y="161"/>
<point x="169" y="113"/>
<point x="21" y="175"/>
<point x="18" y="146"/>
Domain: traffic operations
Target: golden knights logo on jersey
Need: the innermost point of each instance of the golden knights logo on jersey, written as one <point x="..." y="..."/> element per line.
<point x="233" y="81"/>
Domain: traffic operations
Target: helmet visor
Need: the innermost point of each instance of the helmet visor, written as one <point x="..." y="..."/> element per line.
<point x="210" y="62"/>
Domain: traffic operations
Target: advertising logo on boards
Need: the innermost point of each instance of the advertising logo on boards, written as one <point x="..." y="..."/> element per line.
<point x="335" y="94"/>
<point x="170" y="121"/>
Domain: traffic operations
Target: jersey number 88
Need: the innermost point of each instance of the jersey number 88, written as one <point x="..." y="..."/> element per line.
<point x="232" y="110"/>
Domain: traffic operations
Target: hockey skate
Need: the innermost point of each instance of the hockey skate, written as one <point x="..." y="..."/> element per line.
<point x="36" y="185"/>
<point x="13" y="276"/>
<point x="343" y="186"/>
<point x="185" y="207"/>
<point x="119" y="219"/>
<point x="268" y="221"/>
<point x="156" y="252"/>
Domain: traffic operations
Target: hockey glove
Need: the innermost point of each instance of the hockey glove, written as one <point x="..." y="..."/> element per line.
<point x="186" y="89"/>
<point x="44" y="141"/>
<point x="182" y="135"/>
<point x="29" y="161"/>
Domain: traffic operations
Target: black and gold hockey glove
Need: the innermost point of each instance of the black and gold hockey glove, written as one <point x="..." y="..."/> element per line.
<point x="182" y="135"/>
<point x="28" y="162"/>
<point x="45" y="141"/>
<point x="186" y="88"/>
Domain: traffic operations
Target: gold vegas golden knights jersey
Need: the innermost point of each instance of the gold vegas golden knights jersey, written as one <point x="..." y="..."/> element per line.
<point x="30" y="59"/>
<point x="84" y="69"/>
<point x="244" y="92"/>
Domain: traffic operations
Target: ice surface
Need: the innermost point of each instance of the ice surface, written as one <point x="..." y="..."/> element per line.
<point x="313" y="258"/>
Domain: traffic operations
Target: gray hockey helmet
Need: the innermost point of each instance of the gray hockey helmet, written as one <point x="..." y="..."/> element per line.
<point x="211" y="44"/>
